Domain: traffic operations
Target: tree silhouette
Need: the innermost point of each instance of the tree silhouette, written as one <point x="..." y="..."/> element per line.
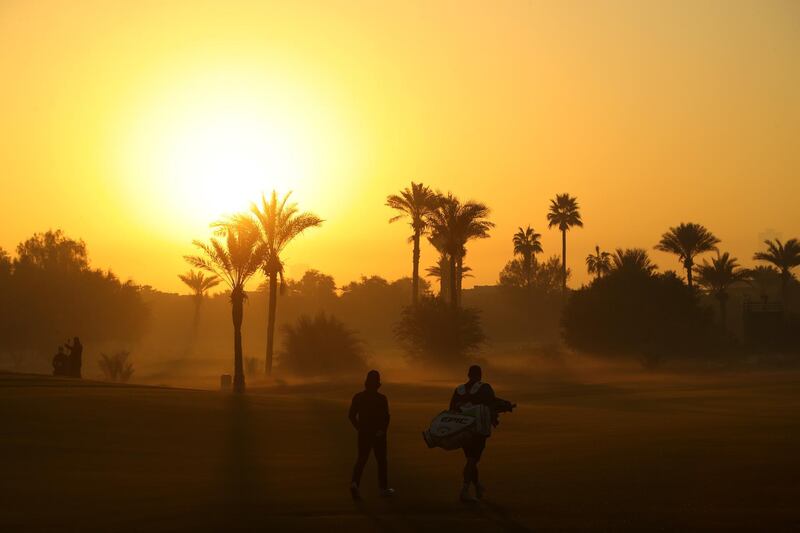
<point x="416" y="203"/>
<point x="200" y="284"/>
<point x="279" y="222"/>
<point x="785" y="257"/>
<point x="234" y="255"/>
<point x="453" y="224"/>
<point x="527" y="244"/>
<point x="687" y="241"/>
<point x="598" y="263"/>
<point x="765" y="278"/>
<point x="632" y="260"/>
<point x="716" y="278"/>
<point x="564" y="214"/>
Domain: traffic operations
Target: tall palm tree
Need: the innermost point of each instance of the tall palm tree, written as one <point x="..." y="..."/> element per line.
<point x="632" y="260"/>
<point x="416" y="203"/>
<point x="234" y="255"/>
<point x="564" y="213"/>
<point x="453" y="224"/>
<point x="279" y="222"/>
<point x="687" y="241"/>
<point x="717" y="277"/>
<point x="527" y="244"/>
<point x="785" y="257"/>
<point x="598" y="263"/>
<point x="439" y="271"/>
<point x="200" y="284"/>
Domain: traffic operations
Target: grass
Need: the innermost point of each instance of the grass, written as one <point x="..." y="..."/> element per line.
<point x="653" y="453"/>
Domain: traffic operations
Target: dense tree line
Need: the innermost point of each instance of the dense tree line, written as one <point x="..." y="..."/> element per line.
<point x="49" y="292"/>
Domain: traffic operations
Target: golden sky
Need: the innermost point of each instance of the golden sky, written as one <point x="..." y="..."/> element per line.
<point x="133" y="124"/>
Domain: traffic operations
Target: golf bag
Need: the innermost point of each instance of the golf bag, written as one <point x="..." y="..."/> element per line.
<point x="450" y="430"/>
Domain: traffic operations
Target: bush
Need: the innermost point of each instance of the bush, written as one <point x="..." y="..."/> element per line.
<point x="116" y="367"/>
<point x="636" y="312"/>
<point x="321" y="346"/>
<point x="434" y="332"/>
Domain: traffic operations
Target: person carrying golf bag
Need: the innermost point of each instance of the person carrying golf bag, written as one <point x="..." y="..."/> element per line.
<point x="369" y="414"/>
<point x="473" y="393"/>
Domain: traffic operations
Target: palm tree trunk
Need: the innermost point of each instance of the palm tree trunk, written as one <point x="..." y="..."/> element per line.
<point x="453" y="282"/>
<point x="415" y="271"/>
<point x="527" y="269"/>
<point x="564" y="261"/>
<point x="273" y="304"/>
<point x="459" y="275"/>
<point x="237" y="313"/>
<point x="723" y="311"/>
<point x="688" y="264"/>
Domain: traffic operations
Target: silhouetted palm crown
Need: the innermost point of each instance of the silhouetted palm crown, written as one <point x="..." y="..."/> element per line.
<point x="527" y="242"/>
<point x="687" y="240"/>
<point x="199" y="282"/>
<point x="234" y="255"/>
<point x="564" y="212"/>
<point x="453" y="224"/>
<point x="718" y="275"/>
<point x="632" y="260"/>
<point x="598" y="263"/>
<point x="416" y="203"/>
<point x="279" y="222"/>
<point x="784" y="256"/>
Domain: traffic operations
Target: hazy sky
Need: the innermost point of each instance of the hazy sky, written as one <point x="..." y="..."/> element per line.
<point x="133" y="124"/>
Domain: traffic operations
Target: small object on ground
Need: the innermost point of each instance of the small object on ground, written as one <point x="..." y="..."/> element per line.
<point x="354" y="491"/>
<point x="387" y="493"/>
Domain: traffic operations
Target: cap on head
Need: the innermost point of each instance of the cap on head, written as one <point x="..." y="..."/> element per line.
<point x="475" y="373"/>
<point x="373" y="380"/>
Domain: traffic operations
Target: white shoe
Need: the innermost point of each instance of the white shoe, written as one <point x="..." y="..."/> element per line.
<point x="387" y="493"/>
<point x="466" y="497"/>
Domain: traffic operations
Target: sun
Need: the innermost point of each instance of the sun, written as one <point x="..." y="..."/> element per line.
<point x="214" y="161"/>
<point x="199" y="151"/>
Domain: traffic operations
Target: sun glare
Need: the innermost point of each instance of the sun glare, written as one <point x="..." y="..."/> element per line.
<point x="201" y="150"/>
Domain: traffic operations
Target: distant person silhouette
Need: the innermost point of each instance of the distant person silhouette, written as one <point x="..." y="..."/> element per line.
<point x="369" y="414"/>
<point x="475" y="392"/>
<point x="75" y="357"/>
<point x="60" y="363"/>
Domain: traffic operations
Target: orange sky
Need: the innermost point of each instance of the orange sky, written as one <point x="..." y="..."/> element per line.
<point x="134" y="124"/>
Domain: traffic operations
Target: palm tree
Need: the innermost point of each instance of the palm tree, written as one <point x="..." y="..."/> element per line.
<point x="200" y="285"/>
<point x="717" y="276"/>
<point x="526" y="244"/>
<point x="687" y="241"/>
<point x="564" y="213"/>
<point x="785" y="257"/>
<point x="632" y="260"/>
<point x="598" y="263"/>
<point x="765" y="278"/>
<point x="234" y="256"/>
<point x="453" y="224"/>
<point x="279" y="222"/>
<point x="416" y="203"/>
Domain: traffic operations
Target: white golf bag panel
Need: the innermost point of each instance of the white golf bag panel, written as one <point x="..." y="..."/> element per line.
<point x="451" y="430"/>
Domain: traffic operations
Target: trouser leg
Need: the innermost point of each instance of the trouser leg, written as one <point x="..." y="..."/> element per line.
<point x="380" y="457"/>
<point x="364" y="447"/>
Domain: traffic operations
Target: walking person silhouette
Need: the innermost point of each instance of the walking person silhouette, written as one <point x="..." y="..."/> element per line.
<point x="474" y="392"/>
<point x="369" y="414"/>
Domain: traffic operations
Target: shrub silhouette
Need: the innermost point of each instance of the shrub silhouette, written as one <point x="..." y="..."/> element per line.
<point x="633" y="311"/>
<point x="434" y="332"/>
<point x="116" y="367"/>
<point x="321" y="346"/>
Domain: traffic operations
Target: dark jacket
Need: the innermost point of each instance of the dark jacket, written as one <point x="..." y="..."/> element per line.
<point x="369" y="411"/>
<point x="475" y="393"/>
